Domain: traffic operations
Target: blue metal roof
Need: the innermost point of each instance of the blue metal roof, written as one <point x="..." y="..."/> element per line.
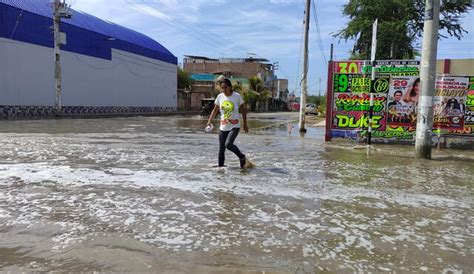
<point x="17" y="21"/>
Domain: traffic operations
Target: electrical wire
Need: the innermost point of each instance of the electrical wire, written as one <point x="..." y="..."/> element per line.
<point x="299" y="62"/>
<point x="77" y="55"/>
<point x="124" y="62"/>
<point x="206" y="42"/>
<point x="212" y="34"/>
<point x="16" y="25"/>
<point x="138" y="64"/>
<point x="318" y="31"/>
<point x="160" y="66"/>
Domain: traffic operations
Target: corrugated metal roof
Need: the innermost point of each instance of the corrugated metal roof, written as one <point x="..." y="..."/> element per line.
<point x="92" y="23"/>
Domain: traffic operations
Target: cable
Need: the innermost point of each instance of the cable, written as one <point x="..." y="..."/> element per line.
<point x="212" y="34"/>
<point x="299" y="61"/>
<point x="143" y="60"/>
<point x="124" y="61"/>
<point x="77" y="55"/>
<point x="320" y="41"/>
<point x="174" y="26"/>
<point x="16" y="25"/>
<point x="138" y="64"/>
<point x="137" y="75"/>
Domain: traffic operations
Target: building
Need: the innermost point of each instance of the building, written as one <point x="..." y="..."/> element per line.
<point x="230" y="67"/>
<point x="238" y="70"/>
<point x="106" y="68"/>
<point x="205" y="86"/>
<point x="281" y="90"/>
<point x="455" y="66"/>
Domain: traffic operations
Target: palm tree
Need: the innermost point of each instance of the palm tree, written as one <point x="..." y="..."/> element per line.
<point x="262" y="97"/>
<point x="256" y="84"/>
<point x="184" y="79"/>
<point x="256" y="87"/>
<point x="247" y="95"/>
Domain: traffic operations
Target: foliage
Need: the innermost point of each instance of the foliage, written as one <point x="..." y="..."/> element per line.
<point x="320" y="102"/>
<point x="256" y="84"/>
<point x="184" y="79"/>
<point x="400" y="25"/>
<point x="317" y="100"/>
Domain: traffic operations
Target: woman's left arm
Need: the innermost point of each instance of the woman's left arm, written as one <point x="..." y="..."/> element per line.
<point x="243" y="111"/>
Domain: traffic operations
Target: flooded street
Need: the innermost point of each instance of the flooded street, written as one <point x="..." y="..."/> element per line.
<point x="140" y="194"/>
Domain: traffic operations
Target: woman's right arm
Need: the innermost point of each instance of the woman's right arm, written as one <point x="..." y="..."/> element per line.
<point x="213" y="114"/>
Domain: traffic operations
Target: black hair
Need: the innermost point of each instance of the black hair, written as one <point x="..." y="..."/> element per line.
<point x="412" y="91"/>
<point x="398" y="91"/>
<point x="227" y="82"/>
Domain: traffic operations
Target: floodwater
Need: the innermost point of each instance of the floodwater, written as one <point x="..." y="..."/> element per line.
<point x="140" y="194"/>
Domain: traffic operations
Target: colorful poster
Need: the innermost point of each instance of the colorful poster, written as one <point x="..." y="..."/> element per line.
<point x="449" y="104"/>
<point x="348" y="67"/>
<point x="352" y="85"/>
<point x="396" y="133"/>
<point x="469" y="104"/>
<point x="397" y="93"/>
<point x="350" y="120"/>
<point x="360" y="83"/>
<point x="395" y="68"/>
<point x="403" y="101"/>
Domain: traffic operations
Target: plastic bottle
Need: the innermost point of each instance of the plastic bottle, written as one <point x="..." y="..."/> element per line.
<point x="209" y="128"/>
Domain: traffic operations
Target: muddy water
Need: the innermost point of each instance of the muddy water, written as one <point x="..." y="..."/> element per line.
<point x="140" y="194"/>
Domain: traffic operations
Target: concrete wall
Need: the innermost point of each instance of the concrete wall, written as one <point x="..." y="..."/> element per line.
<point x="455" y="66"/>
<point x="128" y="80"/>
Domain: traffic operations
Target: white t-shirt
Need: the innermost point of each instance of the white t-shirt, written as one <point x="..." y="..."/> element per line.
<point x="229" y="109"/>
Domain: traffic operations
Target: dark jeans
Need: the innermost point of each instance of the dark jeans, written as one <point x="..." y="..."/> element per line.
<point x="226" y="140"/>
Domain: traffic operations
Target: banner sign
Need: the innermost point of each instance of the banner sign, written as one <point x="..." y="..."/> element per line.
<point x="396" y="98"/>
<point x="449" y="102"/>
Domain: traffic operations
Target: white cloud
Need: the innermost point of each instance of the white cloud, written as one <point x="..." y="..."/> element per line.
<point x="147" y="10"/>
<point x="225" y="28"/>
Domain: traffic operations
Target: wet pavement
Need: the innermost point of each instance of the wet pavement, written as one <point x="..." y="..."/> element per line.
<point x="140" y="194"/>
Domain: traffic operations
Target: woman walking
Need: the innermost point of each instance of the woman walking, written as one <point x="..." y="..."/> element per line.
<point x="230" y="105"/>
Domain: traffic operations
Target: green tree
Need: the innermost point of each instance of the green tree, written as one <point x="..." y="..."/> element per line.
<point x="256" y="84"/>
<point x="257" y="88"/>
<point x="262" y="98"/>
<point x="184" y="79"/>
<point x="400" y="25"/>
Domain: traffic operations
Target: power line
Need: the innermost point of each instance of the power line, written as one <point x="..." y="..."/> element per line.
<point x="77" y="55"/>
<point x="212" y="34"/>
<point x="320" y="41"/>
<point x="16" y="25"/>
<point x="210" y="45"/>
<point x="299" y="60"/>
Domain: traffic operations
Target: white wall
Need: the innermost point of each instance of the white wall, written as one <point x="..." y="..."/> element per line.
<point x="27" y="78"/>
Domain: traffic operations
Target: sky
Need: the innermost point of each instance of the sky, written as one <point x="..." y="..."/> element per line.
<point x="271" y="29"/>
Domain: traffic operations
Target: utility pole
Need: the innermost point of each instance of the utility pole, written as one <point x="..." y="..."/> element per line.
<point x="275" y="67"/>
<point x="304" y="80"/>
<point x="424" y="124"/>
<point x="319" y="93"/>
<point x="331" y="52"/>
<point x="373" y="52"/>
<point x="61" y="9"/>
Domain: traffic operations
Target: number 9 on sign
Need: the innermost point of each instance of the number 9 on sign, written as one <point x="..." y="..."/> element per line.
<point x="341" y="83"/>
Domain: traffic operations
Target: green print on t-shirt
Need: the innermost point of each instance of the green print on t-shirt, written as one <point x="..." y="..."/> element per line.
<point x="228" y="108"/>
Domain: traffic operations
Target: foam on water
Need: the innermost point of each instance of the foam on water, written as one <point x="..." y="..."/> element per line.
<point x="304" y="203"/>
